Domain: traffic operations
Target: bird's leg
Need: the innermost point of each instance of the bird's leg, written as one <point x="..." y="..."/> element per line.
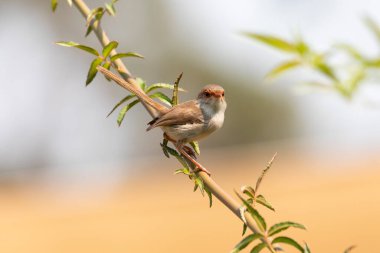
<point x="179" y="147"/>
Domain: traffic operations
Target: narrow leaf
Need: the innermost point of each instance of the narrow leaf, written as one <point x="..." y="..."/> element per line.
<point x="120" y="103"/>
<point x="96" y="13"/>
<point x="175" y="99"/>
<point x="283" y="67"/>
<point x="109" y="47"/>
<point x="185" y="171"/>
<point x="244" y="229"/>
<point x="174" y="153"/>
<point x="289" y="241"/>
<point x="245" y="242"/>
<point x="110" y="9"/>
<point x="164" y="145"/>
<point x="88" y="31"/>
<point x="162" y="97"/>
<point x="306" y="249"/>
<point x="74" y="44"/>
<point x="54" y="4"/>
<point x="195" y="146"/>
<point x="352" y="51"/>
<point x="327" y="70"/>
<point x="258" y="248"/>
<point x="254" y="213"/>
<point x="209" y="194"/>
<point x="93" y="71"/>
<point x="129" y="54"/>
<point x="163" y="86"/>
<point x="248" y="190"/>
<point x="125" y="109"/>
<point x="269" y="165"/>
<point x="199" y="183"/>
<point x="277" y="228"/>
<point x="272" y="41"/>
<point x="261" y="200"/>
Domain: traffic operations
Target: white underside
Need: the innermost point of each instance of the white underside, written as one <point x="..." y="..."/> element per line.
<point x="194" y="132"/>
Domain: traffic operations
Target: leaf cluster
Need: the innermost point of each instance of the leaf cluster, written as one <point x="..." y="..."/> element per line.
<point x="343" y="79"/>
<point x="250" y="199"/>
<point x="104" y="58"/>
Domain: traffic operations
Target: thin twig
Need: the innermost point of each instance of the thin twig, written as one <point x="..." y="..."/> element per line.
<point x="215" y="189"/>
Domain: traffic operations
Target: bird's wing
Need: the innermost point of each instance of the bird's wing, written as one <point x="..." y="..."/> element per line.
<point x="182" y="114"/>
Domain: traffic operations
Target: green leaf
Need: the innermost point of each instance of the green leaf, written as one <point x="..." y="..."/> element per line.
<point x="327" y="70"/>
<point x="284" y="67"/>
<point x="163" y="145"/>
<point x="76" y="45"/>
<point x="306" y="249"/>
<point x="301" y="46"/>
<point x="109" y="47"/>
<point x="209" y="194"/>
<point x="289" y="241"/>
<point x="272" y="41"/>
<point x="185" y="171"/>
<point x="161" y="85"/>
<point x="255" y="214"/>
<point x="124" y="110"/>
<point x="110" y="9"/>
<point x="277" y="228"/>
<point x="199" y="183"/>
<point x="258" y="248"/>
<point x="174" y="153"/>
<point x="93" y="71"/>
<point x="244" y="229"/>
<point x="54" y="4"/>
<point x="96" y="13"/>
<point x="162" y="97"/>
<point x="352" y="51"/>
<point x="373" y="26"/>
<point x="248" y="190"/>
<point x="245" y="242"/>
<point x="129" y="54"/>
<point x="349" y="249"/>
<point x="261" y="200"/>
<point x="120" y="103"/>
<point x="195" y="146"/>
<point x="88" y="31"/>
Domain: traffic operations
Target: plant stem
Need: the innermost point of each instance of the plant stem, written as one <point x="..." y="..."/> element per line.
<point x="104" y="40"/>
<point x="215" y="189"/>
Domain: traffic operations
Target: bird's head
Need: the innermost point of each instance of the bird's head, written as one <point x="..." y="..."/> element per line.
<point x="213" y="95"/>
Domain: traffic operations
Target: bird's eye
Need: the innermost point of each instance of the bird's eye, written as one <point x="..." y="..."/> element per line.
<point x="207" y="94"/>
<point x="223" y="94"/>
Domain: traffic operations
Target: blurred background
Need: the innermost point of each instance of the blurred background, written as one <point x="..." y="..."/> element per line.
<point x="72" y="180"/>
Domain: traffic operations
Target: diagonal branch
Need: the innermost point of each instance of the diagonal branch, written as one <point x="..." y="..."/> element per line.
<point x="215" y="189"/>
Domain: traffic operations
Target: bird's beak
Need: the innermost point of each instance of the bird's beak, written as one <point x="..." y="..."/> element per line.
<point x="218" y="94"/>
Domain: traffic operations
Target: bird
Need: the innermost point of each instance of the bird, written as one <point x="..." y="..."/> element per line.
<point x="185" y="122"/>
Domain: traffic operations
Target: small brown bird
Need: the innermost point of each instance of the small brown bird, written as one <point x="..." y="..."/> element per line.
<point x="186" y="122"/>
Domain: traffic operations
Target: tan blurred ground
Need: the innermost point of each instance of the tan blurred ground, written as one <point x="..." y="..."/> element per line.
<point x="337" y="199"/>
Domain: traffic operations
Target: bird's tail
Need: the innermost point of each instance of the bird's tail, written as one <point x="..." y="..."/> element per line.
<point x="133" y="89"/>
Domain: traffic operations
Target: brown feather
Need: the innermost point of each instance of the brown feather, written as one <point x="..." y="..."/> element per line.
<point x="185" y="113"/>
